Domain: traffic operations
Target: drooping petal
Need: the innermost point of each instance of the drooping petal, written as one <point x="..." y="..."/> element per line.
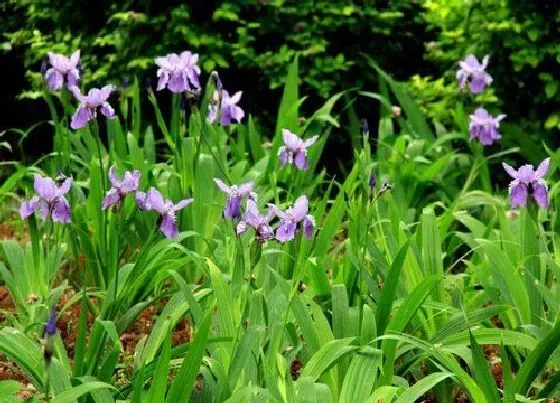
<point x="510" y="170"/>
<point x="163" y="80"/>
<point x="241" y="227"/>
<point x="540" y="194"/>
<point x="233" y="207"/>
<point x="542" y="169"/>
<point x="308" y="226"/>
<point x="283" y="156"/>
<point x="178" y="82"/>
<point x="300" y="208"/>
<point x="111" y="198"/>
<point x="61" y="211"/>
<point x="300" y="160"/>
<point x="140" y="199"/>
<point x="77" y="94"/>
<point x="154" y="201"/>
<point x="182" y="204"/>
<point x="222" y="186"/>
<point x="81" y="117"/>
<point x="43" y="210"/>
<point x="73" y="78"/>
<point x="28" y="207"/>
<point x="518" y="194"/>
<point x="286" y="231"/>
<point x="107" y="110"/>
<point x="477" y="83"/>
<point x="169" y="226"/>
<point x="54" y="79"/>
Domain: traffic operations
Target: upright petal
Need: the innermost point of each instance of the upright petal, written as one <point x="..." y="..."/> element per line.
<point x="28" y="207"/>
<point x="54" y="79"/>
<point x="461" y="77"/>
<point x="241" y="227"/>
<point x="163" y="80"/>
<point x="222" y="186"/>
<point x="182" y="204"/>
<point x="542" y="169"/>
<point x="291" y="141"/>
<point x="130" y="182"/>
<point x="300" y="208"/>
<point x="251" y="214"/>
<point x="44" y="187"/>
<point x="65" y="187"/>
<point x="286" y="231"/>
<point x="510" y="170"/>
<point x="81" y="117"/>
<point x="61" y="211"/>
<point x="310" y="141"/>
<point x="105" y="92"/>
<point x="169" y="226"/>
<point x="518" y="194"/>
<point x="75" y="58"/>
<point x="154" y="201"/>
<point x="115" y="181"/>
<point x="245" y="188"/>
<point x="540" y="194"/>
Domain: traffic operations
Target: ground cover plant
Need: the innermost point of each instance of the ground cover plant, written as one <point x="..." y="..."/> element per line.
<point x="198" y="259"/>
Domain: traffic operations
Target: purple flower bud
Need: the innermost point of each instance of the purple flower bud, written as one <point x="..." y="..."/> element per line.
<point x="124" y="82"/>
<point x="50" y="326"/>
<point x="43" y="67"/>
<point x="372" y="182"/>
<point x="149" y="83"/>
<point x="365" y="127"/>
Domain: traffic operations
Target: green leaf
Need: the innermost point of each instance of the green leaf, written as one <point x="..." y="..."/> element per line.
<point x="184" y="381"/>
<point x="70" y="395"/>
<point x="328" y="355"/>
<point x="417" y="390"/>
<point x="482" y="374"/>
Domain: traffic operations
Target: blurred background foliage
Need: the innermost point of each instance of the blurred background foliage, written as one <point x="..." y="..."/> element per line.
<point x="251" y="43"/>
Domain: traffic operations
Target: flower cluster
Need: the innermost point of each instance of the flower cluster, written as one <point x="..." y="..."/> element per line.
<point x="260" y="222"/>
<point x="120" y="187"/>
<point x="179" y="73"/>
<point x="63" y="70"/>
<point x="484" y="127"/>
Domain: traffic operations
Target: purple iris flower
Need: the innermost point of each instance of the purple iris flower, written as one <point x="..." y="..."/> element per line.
<point x="178" y="72"/>
<point x="63" y="69"/>
<point x="484" y="127"/>
<point x="474" y="72"/>
<point x="229" y="109"/>
<point x="95" y="99"/>
<point x="294" y="150"/>
<point x="527" y="181"/>
<point x="259" y="222"/>
<point x="120" y="187"/>
<point x="235" y="193"/>
<point x="291" y="217"/>
<point x="50" y="199"/>
<point x="153" y="200"/>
